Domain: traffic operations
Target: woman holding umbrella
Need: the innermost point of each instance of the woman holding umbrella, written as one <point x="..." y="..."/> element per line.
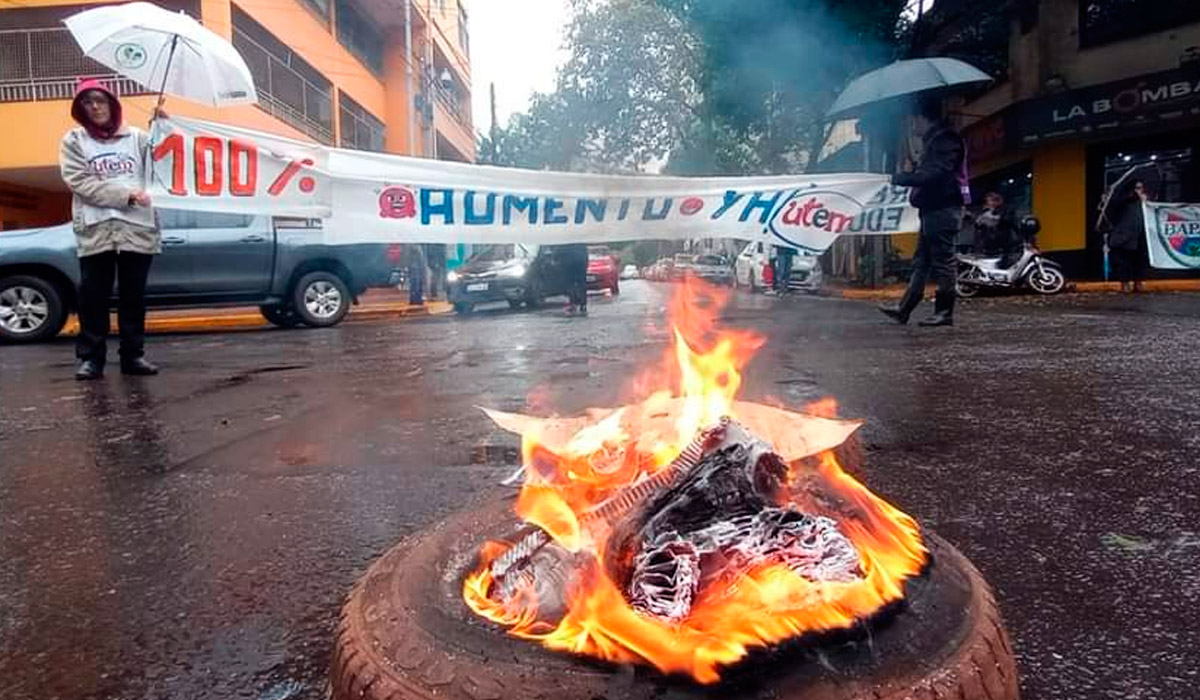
<point x="103" y="163"/>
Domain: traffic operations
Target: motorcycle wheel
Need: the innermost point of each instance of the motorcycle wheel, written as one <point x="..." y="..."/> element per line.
<point x="1047" y="280"/>
<point x="965" y="290"/>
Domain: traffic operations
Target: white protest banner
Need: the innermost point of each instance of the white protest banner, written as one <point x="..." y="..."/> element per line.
<point x="1173" y="235"/>
<point x="214" y="167"/>
<point x="388" y="198"/>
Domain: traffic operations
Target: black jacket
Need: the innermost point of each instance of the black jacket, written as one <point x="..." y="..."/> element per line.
<point x="1001" y="237"/>
<point x="935" y="179"/>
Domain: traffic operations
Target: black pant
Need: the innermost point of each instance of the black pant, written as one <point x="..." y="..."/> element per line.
<point x="1128" y="264"/>
<point x="935" y="254"/>
<point x="95" y="288"/>
<point x="577" y="282"/>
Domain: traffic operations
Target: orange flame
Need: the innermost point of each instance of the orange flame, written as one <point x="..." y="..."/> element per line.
<point x="765" y="605"/>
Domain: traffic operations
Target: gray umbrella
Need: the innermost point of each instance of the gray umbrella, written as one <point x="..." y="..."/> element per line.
<point x="908" y="77"/>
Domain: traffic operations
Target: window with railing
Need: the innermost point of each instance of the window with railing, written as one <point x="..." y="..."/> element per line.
<point x="45" y="64"/>
<point x="360" y="36"/>
<point x="288" y="87"/>
<point x="358" y="128"/>
<point x="464" y="39"/>
<point x="1106" y="21"/>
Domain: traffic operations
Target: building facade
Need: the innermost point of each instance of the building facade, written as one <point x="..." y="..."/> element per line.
<point x="381" y="75"/>
<point x="1084" y="90"/>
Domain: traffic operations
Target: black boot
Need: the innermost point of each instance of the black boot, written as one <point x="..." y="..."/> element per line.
<point x="940" y="318"/>
<point x="88" y="370"/>
<point x="138" y="367"/>
<point x="943" y="310"/>
<point x="894" y="313"/>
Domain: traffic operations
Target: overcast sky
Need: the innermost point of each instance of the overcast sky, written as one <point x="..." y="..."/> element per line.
<point x="515" y="44"/>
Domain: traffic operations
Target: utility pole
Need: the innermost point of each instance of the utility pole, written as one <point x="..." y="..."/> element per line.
<point x="495" y="127"/>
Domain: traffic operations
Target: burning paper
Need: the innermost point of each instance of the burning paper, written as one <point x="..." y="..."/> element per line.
<point x="688" y="528"/>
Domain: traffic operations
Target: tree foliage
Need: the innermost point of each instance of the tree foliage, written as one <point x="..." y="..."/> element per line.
<point x="624" y="98"/>
<point x="706" y="86"/>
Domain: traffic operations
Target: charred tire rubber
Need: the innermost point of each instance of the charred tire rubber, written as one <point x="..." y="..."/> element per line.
<point x="321" y="299"/>
<point x="31" y="309"/>
<point x="406" y="633"/>
<point x="279" y="315"/>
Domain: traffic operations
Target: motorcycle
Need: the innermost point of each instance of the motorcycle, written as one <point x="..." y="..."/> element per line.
<point x="1031" y="270"/>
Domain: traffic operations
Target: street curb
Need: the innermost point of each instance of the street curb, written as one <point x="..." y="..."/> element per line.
<point x="250" y="320"/>
<point x="897" y="291"/>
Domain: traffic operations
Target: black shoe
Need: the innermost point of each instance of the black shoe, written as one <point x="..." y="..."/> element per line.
<point x="138" y="367"/>
<point x="88" y="370"/>
<point x="941" y="318"/>
<point x="894" y="313"/>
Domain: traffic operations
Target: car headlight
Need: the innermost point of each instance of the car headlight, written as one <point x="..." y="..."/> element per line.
<point x="517" y="270"/>
<point x="452" y="276"/>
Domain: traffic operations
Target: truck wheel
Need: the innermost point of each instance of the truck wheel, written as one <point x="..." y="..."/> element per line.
<point x="321" y="299"/>
<point x="463" y="307"/>
<point x="31" y="309"/>
<point x="280" y="315"/>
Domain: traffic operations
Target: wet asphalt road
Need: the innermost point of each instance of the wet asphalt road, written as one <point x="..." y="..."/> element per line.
<point x="193" y="535"/>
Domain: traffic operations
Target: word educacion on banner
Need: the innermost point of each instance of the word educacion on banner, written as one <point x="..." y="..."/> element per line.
<point x="1173" y="235"/>
<point x="367" y="197"/>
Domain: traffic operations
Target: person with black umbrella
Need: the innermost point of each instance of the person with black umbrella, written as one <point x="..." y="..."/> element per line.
<point x="939" y="191"/>
<point x="1127" y="240"/>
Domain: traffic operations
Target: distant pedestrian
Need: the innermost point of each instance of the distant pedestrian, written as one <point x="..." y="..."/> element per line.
<point x="783" y="268"/>
<point x="939" y="191"/>
<point x="436" y="255"/>
<point x="103" y="162"/>
<point x="1127" y="240"/>
<point x="575" y="261"/>
<point x="414" y="262"/>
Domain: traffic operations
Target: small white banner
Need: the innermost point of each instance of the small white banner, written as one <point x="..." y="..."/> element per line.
<point x="1173" y="235"/>
<point x="388" y="198"/>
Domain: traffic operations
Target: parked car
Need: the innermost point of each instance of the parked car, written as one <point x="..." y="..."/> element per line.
<point x="681" y="266"/>
<point x="712" y="268"/>
<point x="806" y="275"/>
<point x="753" y="269"/>
<point x="750" y="267"/>
<point x="516" y="273"/>
<point x="208" y="259"/>
<point x="602" y="270"/>
<point x="630" y="272"/>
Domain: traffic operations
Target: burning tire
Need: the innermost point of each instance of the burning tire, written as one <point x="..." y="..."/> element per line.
<point x="405" y="632"/>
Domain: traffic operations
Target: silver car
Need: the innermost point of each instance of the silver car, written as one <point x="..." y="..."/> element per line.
<point x="282" y="265"/>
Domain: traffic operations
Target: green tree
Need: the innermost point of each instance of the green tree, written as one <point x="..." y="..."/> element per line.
<point x="770" y="70"/>
<point x="625" y="97"/>
<point x="704" y="86"/>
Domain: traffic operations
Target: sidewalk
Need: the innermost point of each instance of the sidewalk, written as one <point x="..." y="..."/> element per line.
<point x="375" y="304"/>
<point x="896" y="291"/>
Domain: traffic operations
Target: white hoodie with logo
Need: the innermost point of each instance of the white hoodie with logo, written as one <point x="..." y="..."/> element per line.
<point x="102" y="175"/>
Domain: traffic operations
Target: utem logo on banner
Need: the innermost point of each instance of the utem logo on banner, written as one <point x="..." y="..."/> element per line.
<point x="367" y="197"/>
<point x="1173" y="235"/>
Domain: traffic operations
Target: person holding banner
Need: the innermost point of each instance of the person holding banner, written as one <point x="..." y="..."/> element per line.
<point x="103" y="162"/>
<point x="1127" y="240"/>
<point x="940" y="189"/>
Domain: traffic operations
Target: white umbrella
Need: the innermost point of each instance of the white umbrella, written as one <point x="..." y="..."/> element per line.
<point x="916" y="75"/>
<point x="165" y="51"/>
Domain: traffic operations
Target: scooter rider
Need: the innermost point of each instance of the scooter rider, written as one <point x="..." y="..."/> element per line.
<point x="996" y="228"/>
